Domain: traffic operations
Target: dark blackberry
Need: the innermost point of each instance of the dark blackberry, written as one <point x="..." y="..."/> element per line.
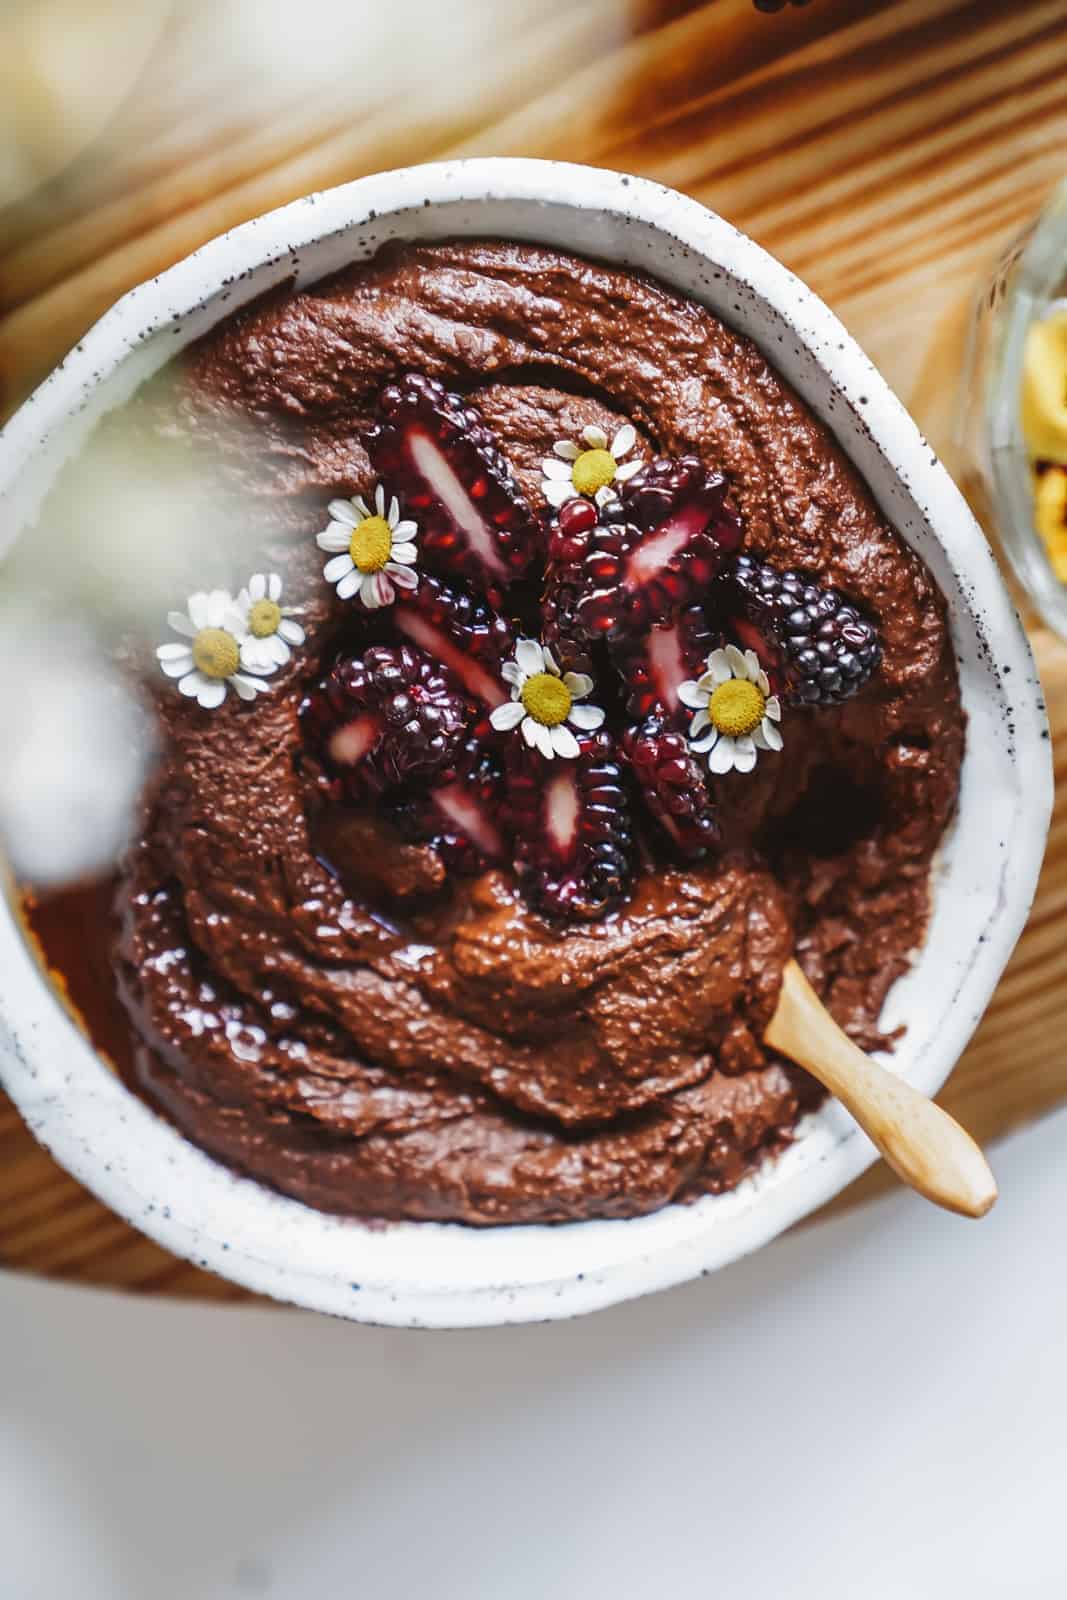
<point x="815" y="645"/>
<point x="460" y="633"/>
<point x="460" y="815"/>
<point x="673" y="787"/>
<point x="436" y="450"/>
<point x="655" y="664"/>
<point x="660" y="547"/>
<point x="569" y="535"/>
<point x="384" y="718"/>
<point x="571" y="825"/>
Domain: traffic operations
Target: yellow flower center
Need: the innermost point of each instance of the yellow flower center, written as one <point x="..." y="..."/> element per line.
<point x="216" y="653"/>
<point x="736" y="707"/>
<point x="547" y="699"/>
<point x="371" y="543"/>
<point x="593" y="470"/>
<point x="263" y="619"/>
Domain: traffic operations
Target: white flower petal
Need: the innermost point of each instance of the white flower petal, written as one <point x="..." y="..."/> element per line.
<point x="745" y="753"/>
<point x="180" y="623"/>
<point x="172" y="650"/>
<point x="246" y="687"/>
<point x="557" y="494"/>
<point x="595" y="437"/>
<point x="218" y="603"/>
<point x="628" y="470"/>
<point x="585" y="717"/>
<point x="335" y="537"/>
<point x="350" y="584"/>
<point x="529" y="731"/>
<point x="244" y="604"/>
<point x="721" y="755"/>
<point x="551" y="664"/>
<point x="394" y="513"/>
<point x="190" y="685"/>
<point x="719" y="668"/>
<point x="543" y="740"/>
<point x="384" y="588"/>
<point x="179" y="665"/>
<point x="763" y="683"/>
<point x="404" y="553"/>
<point x="346" y="512"/>
<point x="211" y="694"/>
<point x="334" y="570"/>
<point x="557" y="470"/>
<point x="706" y="742"/>
<point x="403" y="577"/>
<point x="379" y="500"/>
<point x="692" y="695"/>
<point x="291" y="631"/>
<point x="406" y="530"/>
<point x="361" y="506"/>
<point x="567" y="449"/>
<point x="579" y="683"/>
<point x="773" y="708"/>
<point x="511" y="672"/>
<point x="736" y="659"/>
<point x="772" y="738"/>
<point x="604" y="495"/>
<point x="563" y="742"/>
<point x="530" y="657"/>
<point x="257" y="587"/>
<point x="699" y="723"/>
<point x="198" y="611"/>
<point x="235" y="621"/>
<point x="274" y="587"/>
<point x="624" y="441"/>
<point x="507" y="716"/>
<point x="752" y="665"/>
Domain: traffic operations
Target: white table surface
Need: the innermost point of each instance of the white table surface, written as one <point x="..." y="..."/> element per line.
<point x="874" y="1409"/>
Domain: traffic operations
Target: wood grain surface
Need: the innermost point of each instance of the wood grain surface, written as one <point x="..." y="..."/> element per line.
<point x="884" y="149"/>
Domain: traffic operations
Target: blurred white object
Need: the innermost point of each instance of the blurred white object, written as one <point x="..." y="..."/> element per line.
<point x="76" y="752"/>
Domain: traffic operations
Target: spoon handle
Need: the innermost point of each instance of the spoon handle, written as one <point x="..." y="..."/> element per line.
<point x="925" y="1147"/>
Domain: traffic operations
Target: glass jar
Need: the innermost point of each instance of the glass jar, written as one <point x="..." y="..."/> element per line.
<point x="999" y="425"/>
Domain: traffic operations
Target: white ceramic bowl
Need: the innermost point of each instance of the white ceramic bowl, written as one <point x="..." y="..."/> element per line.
<point x="423" y="1274"/>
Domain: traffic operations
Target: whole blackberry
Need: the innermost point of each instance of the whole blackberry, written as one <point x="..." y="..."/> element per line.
<point x="815" y="645"/>
<point x="673" y="787"/>
<point x="569" y="535"/>
<point x="571" y="825"/>
<point x="385" y="718"/>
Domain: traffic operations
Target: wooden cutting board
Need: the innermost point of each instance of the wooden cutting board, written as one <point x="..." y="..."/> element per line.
<point x="884" y="149"/>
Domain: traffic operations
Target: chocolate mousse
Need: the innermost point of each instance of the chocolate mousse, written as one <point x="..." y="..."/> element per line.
<point x="581" y="684"/>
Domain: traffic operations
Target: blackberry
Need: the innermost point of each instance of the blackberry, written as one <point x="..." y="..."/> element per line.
<point x="673" y="787"/>
<point x="655" y="665"/>
<point x="662" y="544"/>
<point x="467" y="638"/>
<point x="569" y="535"/>
<point x="436" y="450"/>
<point x="815" y="645"/>
<point x="573" y="847"/>
<point x="460" y="814"/>
<point x="384" y="718"/>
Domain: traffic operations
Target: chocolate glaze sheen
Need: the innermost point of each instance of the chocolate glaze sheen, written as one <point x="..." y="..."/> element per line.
<point x="310" y="1001"/>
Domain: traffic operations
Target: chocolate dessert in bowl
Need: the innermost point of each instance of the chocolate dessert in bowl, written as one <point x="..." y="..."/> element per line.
<point x="610" y="638"/>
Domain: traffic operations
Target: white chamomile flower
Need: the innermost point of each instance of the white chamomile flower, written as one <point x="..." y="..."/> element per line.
<point x="590" y="468"/>
<point x="373" y="551"/>
<point x="736" y="713"/>
<point x="208" y="661"/>
<point x="543" y="702"/>
<point x="271" y="632"/>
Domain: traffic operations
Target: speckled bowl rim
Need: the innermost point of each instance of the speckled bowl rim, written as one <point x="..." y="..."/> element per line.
<point x="444" y="1275"/>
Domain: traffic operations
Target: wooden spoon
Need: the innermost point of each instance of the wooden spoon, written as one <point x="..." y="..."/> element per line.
<point x="924" y="1145"/>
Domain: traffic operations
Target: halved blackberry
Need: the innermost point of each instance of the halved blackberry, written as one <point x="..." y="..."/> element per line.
<point x="387" y="717"/>
<point x="460" y="633"/>
<point x="460" y="815"/>
<point x="655" y="664"/>
<point x="672" y="786"/>
<point x="816" y="646"/>
<point x="660" y="547"/>
<point x="571" y="823"/>
<point x="435" y="449"/>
